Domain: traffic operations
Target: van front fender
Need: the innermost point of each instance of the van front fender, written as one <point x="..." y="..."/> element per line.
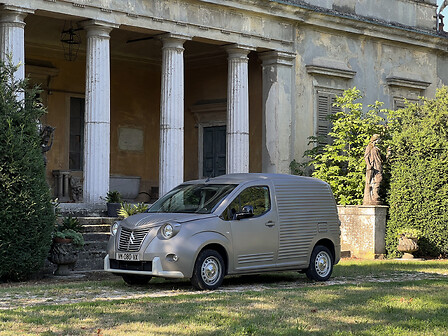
<point x="215" y="241"/>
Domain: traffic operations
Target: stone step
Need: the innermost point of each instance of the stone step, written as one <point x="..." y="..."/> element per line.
<point x="96" y="236"/>
<point x="95" y="245"/>
<point x="82" y="209"/>
<point x="90" y="260"/>
<point x="96" y="220"/>
<point x="105" y="228"/>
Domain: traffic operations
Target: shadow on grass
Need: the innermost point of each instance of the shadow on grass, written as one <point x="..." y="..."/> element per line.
<point x="371" y="309"/>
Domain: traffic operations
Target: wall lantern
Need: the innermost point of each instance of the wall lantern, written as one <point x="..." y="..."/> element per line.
<point x="71" y="41"/>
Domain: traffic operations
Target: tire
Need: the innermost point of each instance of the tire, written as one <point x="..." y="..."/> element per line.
<point x="208" y="272"/>
<point x="135" y="279"/>
<point x="321" y="264"/>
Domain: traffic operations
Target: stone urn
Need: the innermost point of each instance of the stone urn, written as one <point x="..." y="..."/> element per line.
<point x="63" y="254"/>
<point x="407" y="245"/>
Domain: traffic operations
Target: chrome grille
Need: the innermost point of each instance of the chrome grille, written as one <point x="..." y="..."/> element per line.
<point x="131" y="240"/>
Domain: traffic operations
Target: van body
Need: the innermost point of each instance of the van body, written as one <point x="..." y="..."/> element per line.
<point x="231" y="224"/>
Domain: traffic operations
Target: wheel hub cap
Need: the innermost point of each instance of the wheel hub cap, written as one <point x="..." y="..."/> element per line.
<point x="210" y="270"/>
<point x="323" y="264"/>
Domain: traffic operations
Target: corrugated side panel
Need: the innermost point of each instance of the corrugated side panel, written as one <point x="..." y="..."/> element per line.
<point x="251" y="258"/>
<point x="301" y="206"/>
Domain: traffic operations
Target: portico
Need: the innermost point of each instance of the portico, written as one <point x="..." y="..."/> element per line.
<point x="167" y="91"/>
<point x="104" y="122"/>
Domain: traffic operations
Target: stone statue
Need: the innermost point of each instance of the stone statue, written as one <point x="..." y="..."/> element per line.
<point x="374" y="172"/>
<point x="76" y="188"/>
<point x="47" y="138"/>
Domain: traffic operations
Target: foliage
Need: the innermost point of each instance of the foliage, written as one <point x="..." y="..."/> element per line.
<point x="409" y="233"/>
<point x="78" y="239"/>
<point x="113" y="197"/>
<point x="70" y="223"/>
<point x="341" y="162"/>
<point x="27" y="215"/>
<point x="419" y="174"/>
<point x="128" y="209"/>
<point x="70" y="228"/>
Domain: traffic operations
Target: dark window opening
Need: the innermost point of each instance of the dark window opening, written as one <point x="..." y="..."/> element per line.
<point x="76" y="146"/>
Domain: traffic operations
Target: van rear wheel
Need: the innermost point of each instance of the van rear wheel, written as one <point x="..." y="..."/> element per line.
<point x="136" y="279"/>
<point x="321" y="264"/>
<point x="208" y="272"/>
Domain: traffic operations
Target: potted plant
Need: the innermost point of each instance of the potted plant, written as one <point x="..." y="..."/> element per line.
<point x="113" y="202"/>
<point x="407" y="241"/>
<point x="67" y="239"/>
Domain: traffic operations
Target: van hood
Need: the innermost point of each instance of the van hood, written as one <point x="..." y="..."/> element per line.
<point x="145" y="220"/>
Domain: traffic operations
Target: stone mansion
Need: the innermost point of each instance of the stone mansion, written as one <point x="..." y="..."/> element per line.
<point x="163" y="91"/>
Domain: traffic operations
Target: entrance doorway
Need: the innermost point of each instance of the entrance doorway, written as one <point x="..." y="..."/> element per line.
<point x="214" y="151"/>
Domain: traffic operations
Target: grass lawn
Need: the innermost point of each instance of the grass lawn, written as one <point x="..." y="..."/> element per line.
<point x="363" y="298"/>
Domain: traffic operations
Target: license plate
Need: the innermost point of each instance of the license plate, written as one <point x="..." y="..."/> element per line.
<point x="128" y="256"/>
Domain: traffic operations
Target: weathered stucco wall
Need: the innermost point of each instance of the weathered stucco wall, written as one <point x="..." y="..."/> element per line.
<point x="415" y="13"/>
<point x="373" y="62"/>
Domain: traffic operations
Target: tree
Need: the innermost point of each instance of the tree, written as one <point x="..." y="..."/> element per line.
<point x="419" y="174"/>
<point x="26" y="215"/>
<point x="341" y="162"/>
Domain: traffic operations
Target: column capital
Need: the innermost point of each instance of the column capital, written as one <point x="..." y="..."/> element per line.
<point x="14" y="14"/>
<point x="99" y="28"/>
<point x="238" y="50"/>
<point x="175" y="41"/>
<point x="277" y="57"/>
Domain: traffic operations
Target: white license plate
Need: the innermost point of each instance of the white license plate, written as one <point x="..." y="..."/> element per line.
<point x="128" y="256"/>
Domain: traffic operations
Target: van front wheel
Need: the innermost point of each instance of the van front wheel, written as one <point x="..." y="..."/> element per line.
<point x="208" y="270"/>
<point x="321" y="264"/>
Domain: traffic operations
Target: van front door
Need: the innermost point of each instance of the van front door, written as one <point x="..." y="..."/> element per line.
<point x="254" y="236"/>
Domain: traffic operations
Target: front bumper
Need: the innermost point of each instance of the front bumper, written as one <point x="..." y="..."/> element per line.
<point x="156" y="270"/>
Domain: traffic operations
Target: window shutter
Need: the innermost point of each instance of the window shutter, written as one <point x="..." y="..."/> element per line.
<point x="399" y="104"/>
<point x="325" y="107"/>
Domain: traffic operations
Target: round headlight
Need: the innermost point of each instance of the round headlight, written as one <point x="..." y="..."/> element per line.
<point x="167" y="231"/>
<point x="114" y="228"/>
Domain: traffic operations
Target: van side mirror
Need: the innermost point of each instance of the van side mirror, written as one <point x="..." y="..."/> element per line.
<point x="246" y="212"/>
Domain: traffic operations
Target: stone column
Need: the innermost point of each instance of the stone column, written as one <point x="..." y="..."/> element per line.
<point x="278" y="101"/>
<point x="171" y="157"/>
<point x="97" y="112"/>
<point x="238" y="109"/>
<point x="12" y="37"/>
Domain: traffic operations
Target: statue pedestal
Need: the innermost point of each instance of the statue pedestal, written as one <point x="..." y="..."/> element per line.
<point x="363" y="230"/>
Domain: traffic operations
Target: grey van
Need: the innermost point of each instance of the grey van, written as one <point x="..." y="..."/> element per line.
<point x="231" y="224"/>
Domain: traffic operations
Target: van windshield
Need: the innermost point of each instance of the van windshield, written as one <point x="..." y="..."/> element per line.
<point x="192" y="198"/>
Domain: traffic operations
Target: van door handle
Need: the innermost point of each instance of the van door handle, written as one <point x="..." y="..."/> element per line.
<point x="270" y="224"/>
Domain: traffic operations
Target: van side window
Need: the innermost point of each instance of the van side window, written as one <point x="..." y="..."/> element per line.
<point x="257" y="197"/>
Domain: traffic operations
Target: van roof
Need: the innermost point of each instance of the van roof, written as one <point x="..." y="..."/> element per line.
<point x="246" y="177"/>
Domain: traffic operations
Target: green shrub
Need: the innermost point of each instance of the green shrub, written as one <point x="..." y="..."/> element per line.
<point x="341" y="163"/>
<point x="70" y="223"/>
<point x="128" y="209"/>
<point x="419" y="174"/>
<point x="27" y="215"/>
